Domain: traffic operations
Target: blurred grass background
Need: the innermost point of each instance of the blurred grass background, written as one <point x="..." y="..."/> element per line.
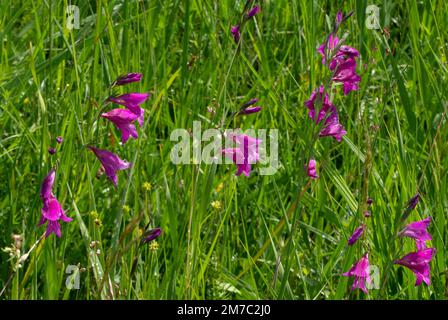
<point x="53" y="81"/>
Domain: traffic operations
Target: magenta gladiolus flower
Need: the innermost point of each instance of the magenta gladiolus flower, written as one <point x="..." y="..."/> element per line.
<point x="255" y="10"/>
<point x="338" y="18"/>
<point x="249" y="110"/>
<point x="346" y="74"/>
<point x="59" y="140"/>
<point x="52" y="211"/>
<point x="361" y="272"/>
<point x="311" y="169"/>
<point x="132" y="101"/>
<point x="51" y="150"/>
<point x="356" y="235"/>
<point x="249" y="145"/>
<point x="342" y="59"/>
<point x="332" y="127"/>
<point x="150" y="235"/>
<point x="46" y="189"/>
<point x="111" y="163"/>
<point x="124" y="121"/>
<point x="250" y="103"/>
<point x="325" y="48"/>
<point x="245" y="154"/>
<point x="235" y="30"/>
<point x="127" y="78"/>
<point x="419" y="262"/>
<point x="344" y="54"/>
<point x="418" y="231"/>
<point x="348" y="52"/>
<point x="344" y="64"/>
<point x="334" y="130"/>
<point x="412" y="203"/>
<point x="314" y="101"/>
<point x="238" y="158"/>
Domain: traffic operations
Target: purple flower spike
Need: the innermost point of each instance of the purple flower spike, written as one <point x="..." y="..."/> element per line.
<point x="238" y="158"/>
<point x="361" y="272"/>
<point x="255" y="10"/>
<point x="249" y="146"/>
<point x="111" y="163"/>
<point x="327" y="111"/>
<point x="331" y="43"/>
<point x="124" y="120"/>
<point x="245" y="154"/>
<point x="51" y="150"/>
<point x="356" y="235"/>
<point x="249" y="110"/>
<point x="345" y="53"/>
<point x="412" y="203"/>
<point x="52" y="211"/>
<point x="326" y="47"/>
<point x="418" y="262"/>
<point x="348" y="52"/>
<point x="127" y="78"/>
<point x="338" y="18"/>
<point x="150" y="235"/>
<point x="59" y="140"/>
<point x="367" y="214"/>
<point x="346" y="74"/>
<point x="311" y="169"/>
<point x="418" y="231"/>
<point x="315" y="101"/>
<point x="335" y="130"/>
<point x="132" y="102"/>
<point x="250" y="103"/>
<point x="235" y="30"/>
<point x="133" y="99"/>
<point x="47" y="185"/>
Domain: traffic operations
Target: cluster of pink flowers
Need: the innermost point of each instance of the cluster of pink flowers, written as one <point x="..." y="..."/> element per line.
<point x="124" y="120"/>
<point x="360" y="269"/>
<point x="419" y="260"/>
<point x="246" y="150"/>
<point x="52" y="210"/>
<point x="245" y="153"/>
<point x="341" y="61"/>
<point x="327" y="113"/>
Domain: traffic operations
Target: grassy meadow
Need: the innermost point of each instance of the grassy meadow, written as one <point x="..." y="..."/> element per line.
<point x="279" y="236"/>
